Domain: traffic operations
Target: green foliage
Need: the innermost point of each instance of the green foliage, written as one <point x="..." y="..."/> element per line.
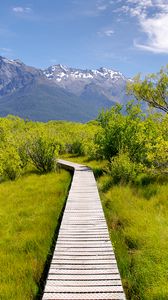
<point x="153" y="89"/>
<point x="22" y="151"/>
<point x="10" y="166"/>
<point x="42" y="153"/>
<point x="110" y="136"/>
<point x="143" y="137"/>
<point x="121" y="133"/>
<point x="123" y="170"/>
<point x="77" y="148"/>
<point x="24" y="142"/>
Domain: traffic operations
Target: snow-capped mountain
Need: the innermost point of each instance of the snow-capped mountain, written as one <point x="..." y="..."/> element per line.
<point x="58" y="92"/>
<point x="60" y="73"/>
<point x="78" y="81"/>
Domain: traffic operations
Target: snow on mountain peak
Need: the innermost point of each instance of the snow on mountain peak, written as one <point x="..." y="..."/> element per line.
<point x="63" y="67"/>
<point x="110" y="73"/>
<point x="60" y="73"/>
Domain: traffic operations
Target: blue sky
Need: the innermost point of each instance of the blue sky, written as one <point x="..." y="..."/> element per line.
<point x="130" y="36"/>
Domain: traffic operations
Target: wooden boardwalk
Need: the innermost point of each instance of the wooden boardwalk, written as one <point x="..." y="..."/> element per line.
<point x="83" y="264"/>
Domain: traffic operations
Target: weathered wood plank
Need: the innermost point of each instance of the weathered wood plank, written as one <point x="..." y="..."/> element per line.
<point x="83" y="296"/>
<point x="51" y="288"/>
<point x="78" y="277"/>
<point x="83" y="283"/>
<point x="83" y="271"/>
<point x="89" y="254"/>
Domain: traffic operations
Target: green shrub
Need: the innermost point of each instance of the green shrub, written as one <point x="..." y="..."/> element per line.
<point x="122" y="169"/>
<point x="106" y="183"/>
<point x="23" y="155"/>
<point x="42" y="153"/>
<point x="144" y="179"/>
<point x="109" y="138"/>
<point x="77" y="148"/>
<point x="10" y="163"/>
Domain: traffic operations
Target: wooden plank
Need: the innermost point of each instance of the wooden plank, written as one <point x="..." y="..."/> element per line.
<point x="83" y="283"/>
<point x="83" y="261"/>
<point x="83" y="243"/>
<point x="84" y="253"/>
<point x="51" y="288"/>
<point x="79" y="233"/>
<point x="88" y="272"/>
<point x="85" y="266"/>
<point x="78" y="277"/>
<point x="77" y="257"/>
<point x="81" y="237"/>
<point x="84" y="296"/>
<point x="83" y="250"/>
<point x="80" y="247"/>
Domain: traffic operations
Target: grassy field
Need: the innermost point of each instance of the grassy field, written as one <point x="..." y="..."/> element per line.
<point x="138" y="227"/>
<point x="30" y="211"/>
<point x="137" y="218"/>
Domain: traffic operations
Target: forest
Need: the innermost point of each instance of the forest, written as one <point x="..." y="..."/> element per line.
<point x="127" y="148"/>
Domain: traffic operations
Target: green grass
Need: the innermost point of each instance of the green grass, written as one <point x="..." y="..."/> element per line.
<point x="30" y="209"/>
<point x="138" y="227"/>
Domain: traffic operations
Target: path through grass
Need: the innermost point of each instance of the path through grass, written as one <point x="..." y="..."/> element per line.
<point x="29" y="212"/>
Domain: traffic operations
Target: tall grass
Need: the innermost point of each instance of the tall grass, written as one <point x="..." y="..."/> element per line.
<point x="30" y="209"/>
<point x="138" y="224"/>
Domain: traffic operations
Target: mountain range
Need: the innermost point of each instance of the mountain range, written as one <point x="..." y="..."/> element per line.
<point x="58" y="92"/>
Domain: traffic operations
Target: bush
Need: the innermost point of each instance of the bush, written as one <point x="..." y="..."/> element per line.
<point x="77" y="148"/>
<point x="144" y="179"/>
<point x="10" y="166"/>
<point x="23" y="155"/>
<point x="109" y="138"/>
<point x="122" y="169"/>
<point x="42" y="153"/>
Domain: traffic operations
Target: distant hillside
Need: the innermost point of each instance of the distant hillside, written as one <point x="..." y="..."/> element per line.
<point x="58" y="93"/>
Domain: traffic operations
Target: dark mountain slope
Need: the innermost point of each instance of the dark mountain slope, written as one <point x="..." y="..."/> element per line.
<point x="38" y="101"/>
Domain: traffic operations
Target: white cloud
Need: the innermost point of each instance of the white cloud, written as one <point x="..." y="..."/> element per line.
<point x="109" y="32"/>
<point x="106" y="33"/>
<point x="156" y="30"/>
<point x="5" y="49"/>
<point x="21" y="10"/>
<point x="152" y="17"/>
<point x="7" y="52"/>
<point x="102" y="7"/>
<point x="93" y="8"/>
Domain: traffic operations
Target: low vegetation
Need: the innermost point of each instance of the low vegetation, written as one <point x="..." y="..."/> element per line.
<point x="138" y="225"/>
<point x="31" y="209"/>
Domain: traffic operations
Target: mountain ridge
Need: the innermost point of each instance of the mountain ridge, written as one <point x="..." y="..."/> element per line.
<point x="58" y="92"/>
